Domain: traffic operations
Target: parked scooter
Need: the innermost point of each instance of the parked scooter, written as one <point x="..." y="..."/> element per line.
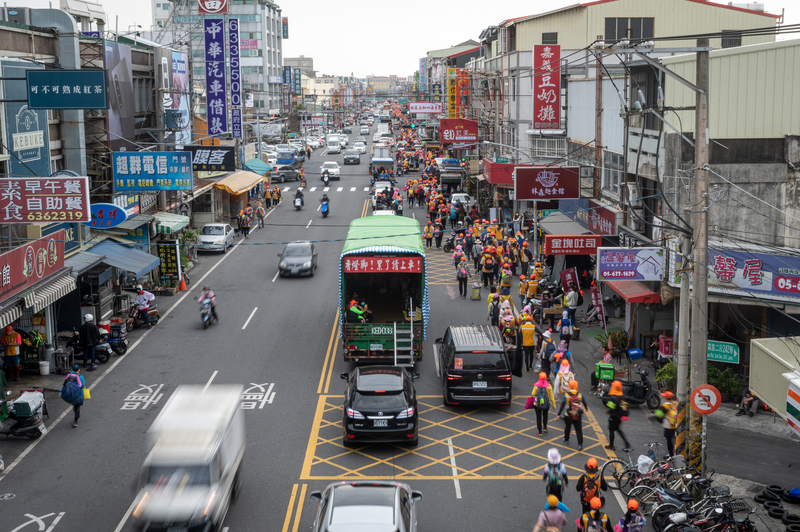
<point x="102" y="351"/>
<point x="450" y="243"/>
<point x="205" y="313"/>
<point x="134" y="321"/>
<point x="24" y="426"/>
<point x="117" y="339"/>
<point x="637" y="392"/>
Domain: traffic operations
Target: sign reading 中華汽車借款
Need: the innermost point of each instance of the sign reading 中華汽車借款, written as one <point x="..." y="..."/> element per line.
<point x="44" y="199"/>
<point x="216" y="79"/>
<point x="152" y="171"/>
<point x="722" y="352"/>
<point x="630" y="264"/>
<point x="67" y="89"/>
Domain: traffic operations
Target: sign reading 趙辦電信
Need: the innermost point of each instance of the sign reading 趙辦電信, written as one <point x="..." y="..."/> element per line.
<point x="152" y="171"/>
<point x="67" y="89"/>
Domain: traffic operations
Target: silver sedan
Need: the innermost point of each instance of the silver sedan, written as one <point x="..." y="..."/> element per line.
<point x="216" y="237"/>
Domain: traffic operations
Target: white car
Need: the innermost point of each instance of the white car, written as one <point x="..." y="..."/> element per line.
<point x="272" y="159"/>
<point x="216" y="237"/>
<point x="333" y="170"/>
<point x="360" y="146"/>
<point x="365" y="130"/>
<point x="464" y="199"/>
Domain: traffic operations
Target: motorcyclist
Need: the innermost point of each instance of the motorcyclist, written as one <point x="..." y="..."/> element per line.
<point x="326" y="176"/>
<point x="299" y="194"/>
<point x="207" y="293"/>
<point x="324" y="198"/>
<point x="142" y="302"/>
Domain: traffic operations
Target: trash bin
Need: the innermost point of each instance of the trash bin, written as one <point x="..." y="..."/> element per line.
<point x="476" y="291"/>
<point x="576" y="333"/>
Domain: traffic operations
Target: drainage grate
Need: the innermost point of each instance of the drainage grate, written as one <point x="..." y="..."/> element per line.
<point x="741" y="506"/>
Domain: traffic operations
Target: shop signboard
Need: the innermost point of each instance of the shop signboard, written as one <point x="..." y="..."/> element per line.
<point x="106" y="215"/>
<point x="634" y="264"/>
<point x="501" y="160"/>
<point x="212" y="158"/>
<point x="423" y="74"/>
<point x="72" y="234"/>
<point x="212" y="7"/>
<point x="67" y="89"/>
<point x="128" y="202"/>
<point x="250" y="44"/>
<point x="141" y="238"/>
<point x="180" y="97"/>
<point x="425" y="107"/>
<point x="592" y="215"/>
<point x="118" y="62"/>
<point x="169" y="253"/>
<point x="286" y="100"/>
<point x="458" y="130"/>
<point x="285" y="25"/>
<point x="236" y="123"/>
<point x="723" y="352"/>
<point x="629" y="239"/>
<point x="436" y="93"/>
<point x="793" y="401"/>
<point x="547" y="183"/>
<point x="30" y="263"/>
<point x="44" y="199"/>
<point x="370" y="264"/>
<point x="216" y="78"/>
<point x="597" y="302"/>
<point x="570" y="275"/>
<point x="235" y="69"/>
<point x="152" y="171"/>
<point x="25" y="129"/>
<point x="571" y="244"/>
<point x="546" y="86"/>
<point x="298" y="81"/>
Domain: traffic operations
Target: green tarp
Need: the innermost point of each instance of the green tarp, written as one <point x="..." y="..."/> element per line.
<point x="396" y="231"/>
<point x="258" y="166"/>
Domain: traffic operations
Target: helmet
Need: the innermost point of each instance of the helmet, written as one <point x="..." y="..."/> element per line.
<point x="633" y="504"/>
<point x="494" y="220"/>
<point x="667" y="394"/>
<point x="616" y="388"/>
<point x="573" y="385"/>
<point x="525" y="243"/>
<point x="591" y="464"/>
<point x="88" y="318"/>
<point x="552" y="501"/>
<point x="138" y="287"/>
<point x="596" y="503"/>
<point x="521" y="277"/>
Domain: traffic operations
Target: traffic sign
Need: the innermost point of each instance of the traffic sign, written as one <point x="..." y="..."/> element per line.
<point x="705" y="399"/>
<point x="723" y="352"/>
<point x="501" y="160"/>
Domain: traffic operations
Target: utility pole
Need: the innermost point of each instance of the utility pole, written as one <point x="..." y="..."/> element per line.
<point x="683" y="347"/>
<point x="696" y="448"/>
<point x="598" y="121"/>
<point x="258" y="132"/>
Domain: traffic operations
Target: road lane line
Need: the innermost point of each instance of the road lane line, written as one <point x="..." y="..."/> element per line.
<point x="250" y="318"/>
<point x="601" y="438"/>
<point x="286" y="189"/>
<point x="453" y="467"/>
<point x="312" y="189"/>
<point x="339" y="189"/>
<point x="276" y="275"/>
<point x="124" y="517"/>
<point x="309" y="223"/>
<point x="300" y="502"/>
<point x="210" y="380"/>
<point x="352" y="189"/>
<point x="326" y="189"/>
<point x="328" y="354"/>
<point x="320" y="206"/>
<point x="288" y="518"/>
<point x="366" y="189"/>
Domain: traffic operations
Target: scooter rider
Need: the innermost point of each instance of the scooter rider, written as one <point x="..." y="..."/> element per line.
<point x="299" y="194"/>
<point x="207" y="293"/>
<point x="142" y="302"/>
<point x="326" y="176"/>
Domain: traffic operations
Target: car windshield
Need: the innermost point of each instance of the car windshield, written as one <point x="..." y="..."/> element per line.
<point x="213" y="230"/>
<point x="379" y="401"/>
<point x="493" y="360"/>
<point x="173" y="477"/>
<point x="351" y="152"/>
<point x="330" y="165"/>
<point x="296" y="251"/>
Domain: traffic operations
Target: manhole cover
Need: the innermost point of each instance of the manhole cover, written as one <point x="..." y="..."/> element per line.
<point x="7" y="496"/>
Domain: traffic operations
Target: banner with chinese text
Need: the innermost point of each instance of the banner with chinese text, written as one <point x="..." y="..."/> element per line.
<point x="212" y="158"/>
<point x="152" y="171"/>
<point x="547" y="183"/>
<point x="546" y="86"/>
<point x="635" y="264"/>
<point x="425" y="107"/>
<point x="169" y="253"/>
<point x="597" y="302"/>
<point x="216" y="79"/>
<point x="457" y="130"/>
<point x="44" y="199"/>
<point x="30" y="263"/>
<point x="368" y="264"/>
<point x="571" y="244"/>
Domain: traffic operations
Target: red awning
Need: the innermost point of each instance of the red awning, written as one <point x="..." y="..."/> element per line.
<point x="634" y="292"/>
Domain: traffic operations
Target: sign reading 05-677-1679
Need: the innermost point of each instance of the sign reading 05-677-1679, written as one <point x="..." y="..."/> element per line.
<point x="152" y="171"/>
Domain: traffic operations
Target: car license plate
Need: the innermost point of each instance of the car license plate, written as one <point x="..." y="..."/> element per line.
<point x="295" y="270"/>
<point x="479" y="384"/>
<point x="375" y="347"/>
<point x="380" y="422"/>
<point x="42" y="429"/>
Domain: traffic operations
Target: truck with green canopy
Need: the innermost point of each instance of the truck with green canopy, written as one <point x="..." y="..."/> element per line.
<point x="383" y="265"/>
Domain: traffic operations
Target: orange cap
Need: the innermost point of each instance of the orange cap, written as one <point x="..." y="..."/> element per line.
<point x="543" y="375"/>
<point x="591" y="464"/>
<point x="596" y="503"/>
<point x="633" y="504"/>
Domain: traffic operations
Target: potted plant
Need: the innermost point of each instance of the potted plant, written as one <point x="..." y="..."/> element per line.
<point x="618" y="303"/>
<point x="667" y="376"/>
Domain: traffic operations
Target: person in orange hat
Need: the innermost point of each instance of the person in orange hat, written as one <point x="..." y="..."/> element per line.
<point x="590" y="484"/>
<point x="525" y="257"/>
<point x="595" y="520"/>
<point x="667" y="413"/>
<point x="617" y="413"/>
<point x="633" y="520"/>
<point x="261" y="213"/>
<point x="542" y="394"/>
<point x="572" y="407"/>
<point x="11" y="342"/>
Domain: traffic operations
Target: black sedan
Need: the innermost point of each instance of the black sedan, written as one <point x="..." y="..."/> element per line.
<point x="298" y="258"/>
<point x="352" y="157"/>
<point x="380" y="405"/>
<point x="366" y="505"/>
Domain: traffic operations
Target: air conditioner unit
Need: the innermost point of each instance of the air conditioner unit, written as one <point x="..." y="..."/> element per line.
<point x="633" y="195"/>
<point x="20" y="15"/>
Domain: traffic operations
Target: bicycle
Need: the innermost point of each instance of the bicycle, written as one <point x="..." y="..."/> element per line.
<point x="621" y="475"/>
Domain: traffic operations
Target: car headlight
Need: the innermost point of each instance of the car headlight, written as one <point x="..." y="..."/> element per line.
<point x="307" y="264"/>
<point x="220" y="241"/>
<point x="284" y="265"/>
<point x="203" y="511"/>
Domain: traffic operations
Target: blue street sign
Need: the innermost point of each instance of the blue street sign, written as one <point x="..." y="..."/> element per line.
<point x="152" y="171"/>
<point x="105" y="215"/>
<point x="67" y="89"/>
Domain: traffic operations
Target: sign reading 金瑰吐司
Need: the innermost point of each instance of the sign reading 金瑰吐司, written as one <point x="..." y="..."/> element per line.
<point x="635" y="264"/>
<point x="105" y="215"/>
<point x="216" y="79"/>
<point x="369" y="264"/>
<point x="722" y="352"/>
<point x="44" y="199"/>
<point x="546" y="182"/>
<point x="546" y="86"/>
<point x="212" y="158"/>
<point x="30" y="263"/>
<point x="152" y="171"/>
<point x="571" y="244"/>
<point x="67" y="89"/>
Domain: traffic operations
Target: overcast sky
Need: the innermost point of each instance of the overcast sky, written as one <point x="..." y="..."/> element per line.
<point x="382" y="38"/>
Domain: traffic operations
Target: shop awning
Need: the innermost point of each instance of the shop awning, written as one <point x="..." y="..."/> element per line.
<point x="52" y="292"/>
<point x="258" y="166"/>
<point x="82" y="262"/>
<point x="125" y="258"/>
<point x="168" y="223"/>
<point x="561" y="224"/>
<point x="239" y="182"/>
<point x="633" y="291"/>
<point x="10" y="314"/>
<point x="134" y="222"/>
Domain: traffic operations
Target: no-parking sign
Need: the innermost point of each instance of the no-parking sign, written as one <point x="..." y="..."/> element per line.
<point x="705" y="399"/>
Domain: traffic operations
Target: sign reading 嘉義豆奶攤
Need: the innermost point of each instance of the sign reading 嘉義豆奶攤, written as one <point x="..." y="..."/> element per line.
<point x="152" y="171"/>
<point x="546" y="86"/>
<point x="216" y="79"/>
<point x="67" y="89"/>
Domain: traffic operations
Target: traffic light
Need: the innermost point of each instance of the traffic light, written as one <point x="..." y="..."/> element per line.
<point x="413" y="126"/>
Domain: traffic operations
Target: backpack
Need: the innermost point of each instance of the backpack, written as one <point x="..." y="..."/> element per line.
<point x="575" y="406"/>
<point x="506" y="280"/>
<point x="548" y="526"/>
<point x="580" y="298"/>
<point x="589" y="488"/>
<point x="71" y="392"/>
<point x="554" y="475"/>
<point x="495" y="312"/>
<point x="564" y="328"/>
<point x="551" y="347"/>
<point x="563" y="386"/>
<point x="542" y="400"/>
<point x="592" y="525"/>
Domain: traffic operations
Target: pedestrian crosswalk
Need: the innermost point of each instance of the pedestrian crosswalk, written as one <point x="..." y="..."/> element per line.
<point x="325" y="189"/>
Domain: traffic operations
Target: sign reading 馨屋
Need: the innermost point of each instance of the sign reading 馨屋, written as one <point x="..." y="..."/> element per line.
<point x="425" y="107"/>
<point x="44" y="199"/>
<point x="170" y="266"/>
<point x="212" y="7"/>
<point x="216" y="79"/>
<point x="571" y="244"/>
<point x="458" y="130"/>
<point x="212" y="158"/>
<point x="105" y="215"/>
<point x="723" y="352"/>
<point x="24" y="129"/>
<point x="546" y="86"/>
<point x="759" y="273"/>
<point x="547" y="183"/>
<point x="597" y="302"/>
<point x="635" y="264"/>
<point x="152" y="171"/>
<point x="30" y="263"/>
<point x="67" y="89"/>
<point x="368" y="264"/>
<point x="236" y="74"/>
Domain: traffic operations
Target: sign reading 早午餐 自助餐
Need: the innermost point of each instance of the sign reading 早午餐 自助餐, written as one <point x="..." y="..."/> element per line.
<point x="44" y="199"/>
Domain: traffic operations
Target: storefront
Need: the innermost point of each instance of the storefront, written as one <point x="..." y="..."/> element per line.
<point x="238" y="186"/>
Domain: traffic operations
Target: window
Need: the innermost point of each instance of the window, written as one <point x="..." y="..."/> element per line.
<point x="640" y="28"/>
<point x="158" y="6"/>
<point x="252" y="69"/>
<point x="512" y="39"/>
<point x="550" y="38"/>
<point x="731" y="39"/>
<point x="612" y="171"/>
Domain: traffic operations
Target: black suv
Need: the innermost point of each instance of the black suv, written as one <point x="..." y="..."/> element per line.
<point x="352" y="157"/>
<point x="380" y="405"/>
<point x="475" y="367"/>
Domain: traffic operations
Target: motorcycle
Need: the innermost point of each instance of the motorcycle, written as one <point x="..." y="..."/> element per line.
<point x="636" y="392"/>
<point x="102" y="351"/>
<point x="134" y="321"/>
<point x="449" y="244"/>
<point x="24" y="426"/>
<point x="324" y="209"/>
<point x="326" y="180"/>
<point x="205" y="313"/>
<point x="298" y="203"/>
<point x="117" y="339"/>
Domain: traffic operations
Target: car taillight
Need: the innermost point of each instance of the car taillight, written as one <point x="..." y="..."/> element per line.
<point x="504" y="377"/>
<point x="354" y="414"/>
<point x="454" y="377"/>
<point x="406" y="413"/>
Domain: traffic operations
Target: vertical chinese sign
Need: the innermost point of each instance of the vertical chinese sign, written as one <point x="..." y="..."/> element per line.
<point x="216" y="94"/>
<point x="546" y="86"/>
<point x="423" y="74"/>
<point x="451" y="93"/>
<point x="169" y="253"/>
<point x="236" y="78"/>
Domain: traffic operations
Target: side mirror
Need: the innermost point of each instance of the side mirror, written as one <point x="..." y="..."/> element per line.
<point x="437" y="341"/>
<point x="414" y="376"/>
<point x="416" y="496"/>
<point x="345" y="376"/>
<point x="315" y="495"/>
